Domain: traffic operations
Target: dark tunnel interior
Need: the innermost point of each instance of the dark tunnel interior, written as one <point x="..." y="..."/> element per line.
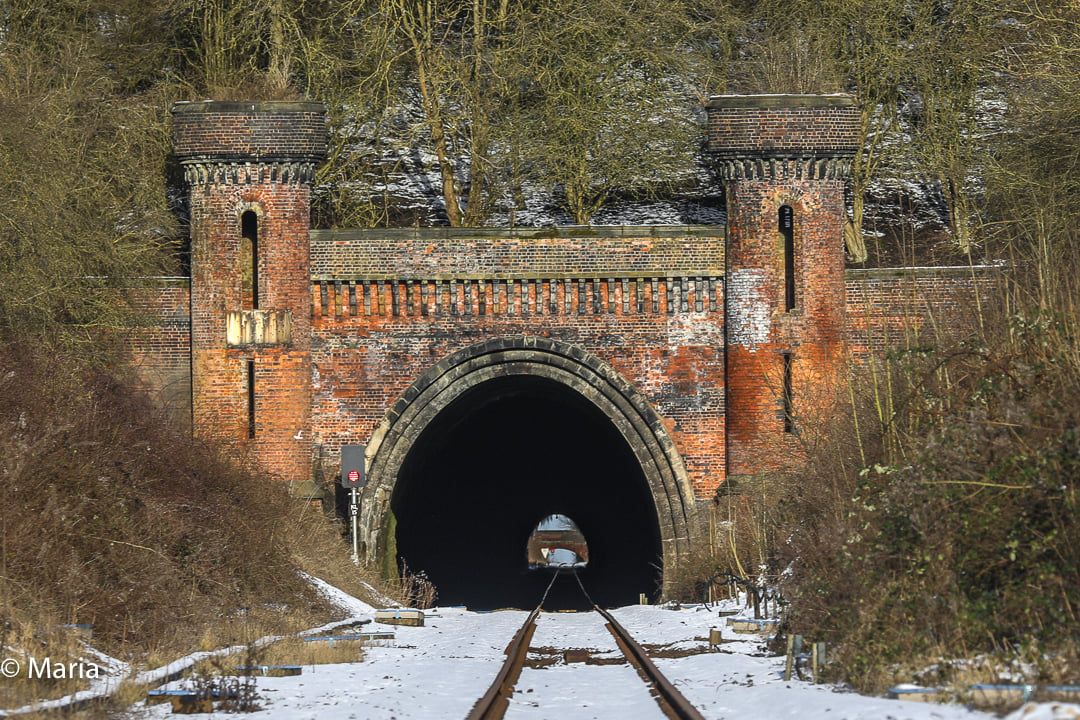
<point x="496" y="461"/>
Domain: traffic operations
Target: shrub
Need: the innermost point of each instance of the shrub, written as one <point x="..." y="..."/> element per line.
<point x="113" y="516"/>
<point x="941" y="518"/>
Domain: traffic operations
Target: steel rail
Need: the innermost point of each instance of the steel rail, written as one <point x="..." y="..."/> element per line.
<point x="671" y="701"/>
<point x="494" y="703"/>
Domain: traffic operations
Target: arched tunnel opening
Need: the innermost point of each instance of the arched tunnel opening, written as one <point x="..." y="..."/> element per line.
<point x="499" y="459"/>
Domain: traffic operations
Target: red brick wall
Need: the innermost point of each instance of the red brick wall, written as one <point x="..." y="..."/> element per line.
<point x="772" y="151"/>
<point x="664" y="334"/>
<point x="403" y="253"/>
<point x="888" y="307"/>
<point x="282" y="372"/>
<point x="744" y="126"/>
<point x="260" y="157"/>
<point x="160" y="342"/>
<point x="257" y="132"/>
<point x="761" y="330"/>
<point x="884" y="305"/>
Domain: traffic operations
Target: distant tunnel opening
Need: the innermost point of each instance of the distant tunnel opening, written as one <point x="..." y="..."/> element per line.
<point x="499" y="459"/>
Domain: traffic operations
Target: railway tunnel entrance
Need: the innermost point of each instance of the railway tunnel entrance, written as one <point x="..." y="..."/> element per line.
<point x="503" y="456"/>
<point x="494" y="441"/>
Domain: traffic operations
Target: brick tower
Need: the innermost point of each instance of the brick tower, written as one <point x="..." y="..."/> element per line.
<point x="249" y="167"/>
<point x="784" y="159"/>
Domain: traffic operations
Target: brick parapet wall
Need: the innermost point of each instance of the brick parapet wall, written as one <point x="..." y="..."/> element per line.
<point x="160" y="341"/>
<point x="888" y="307"/>
<point x="499" y="253"/>
<point x="364" y="363"/>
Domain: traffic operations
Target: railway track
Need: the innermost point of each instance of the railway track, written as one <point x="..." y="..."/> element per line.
<point x="494" y="703"/>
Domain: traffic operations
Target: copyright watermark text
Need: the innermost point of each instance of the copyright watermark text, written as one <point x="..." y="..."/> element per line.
<point x="46" y="668"/>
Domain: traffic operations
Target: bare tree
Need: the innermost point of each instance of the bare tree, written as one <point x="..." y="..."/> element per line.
<point x="951" y="49"/>
<point x="604" y="106"/>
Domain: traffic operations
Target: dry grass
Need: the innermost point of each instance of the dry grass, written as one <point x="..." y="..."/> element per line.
<point x="415" y="589"/>
<point x="295" y="651"/>
<point x="121" y="520"/>
<point x="317" y="545"/>
<point x="289" y="651"/>
<point x="22" y="641"/>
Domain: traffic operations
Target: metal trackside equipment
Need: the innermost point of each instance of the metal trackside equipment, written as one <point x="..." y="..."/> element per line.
<point x="353" y="473"/>
<point x="353" y="479"/>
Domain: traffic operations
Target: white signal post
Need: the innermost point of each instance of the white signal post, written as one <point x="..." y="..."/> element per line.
<point x="354" y="512"/>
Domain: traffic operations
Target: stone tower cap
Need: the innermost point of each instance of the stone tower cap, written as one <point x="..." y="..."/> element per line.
<point x="241" y="131"/>
<point x="781" y="100"/>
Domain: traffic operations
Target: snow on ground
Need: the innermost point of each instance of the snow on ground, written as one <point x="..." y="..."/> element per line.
<point x="1047" y="711"/>
<point x="116" y="671"/>
<point x="352" y="606"/>
<point x="440" y="670"/>
<point x="565" y="631"/>
<point x="740" y="682"/>
<point x="436" y="671"/>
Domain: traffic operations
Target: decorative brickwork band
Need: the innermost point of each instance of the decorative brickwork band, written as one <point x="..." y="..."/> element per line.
<point x="237" y="173"/>
<point x="518" y="253"/>
<point x="556" y="296"/>
<point x="785" y="168"/>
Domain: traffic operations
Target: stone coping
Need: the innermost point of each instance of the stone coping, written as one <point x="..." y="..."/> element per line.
<point x="876" y="273"/>
<point x="245" y="106"/>
<point x="555" y="231"/>
<point x="781" y="101"/>
<point x="849" y="273"/>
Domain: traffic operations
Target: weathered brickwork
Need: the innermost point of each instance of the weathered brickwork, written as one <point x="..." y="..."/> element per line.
<point x="256" y="133"/>
<point x="160" y="343"/>
<point x="665" y="335"/>
<point x="534" y="296"/>
<point x="502" y="253"/>
<point x="260" y="158"/>
<point x="783" y="358"/>
<point x="707" y="348"/>
<point x="884" y="307"/>
<point x="891" y="307"/>
<point x="752" y="127"/>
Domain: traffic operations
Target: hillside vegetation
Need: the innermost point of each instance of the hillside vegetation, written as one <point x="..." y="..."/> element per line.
<point x="114" y="518"/>
<point x="110" y="513"/>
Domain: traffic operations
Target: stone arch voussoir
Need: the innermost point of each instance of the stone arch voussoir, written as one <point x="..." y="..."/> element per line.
<point x="445" y="381"/>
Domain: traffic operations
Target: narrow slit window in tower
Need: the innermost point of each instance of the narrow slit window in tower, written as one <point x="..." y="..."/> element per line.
<point x="789" y="419"/>
<point x="787" y="229"/>
<point x="250" y="399"/>
<point x="249" y="260"/>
